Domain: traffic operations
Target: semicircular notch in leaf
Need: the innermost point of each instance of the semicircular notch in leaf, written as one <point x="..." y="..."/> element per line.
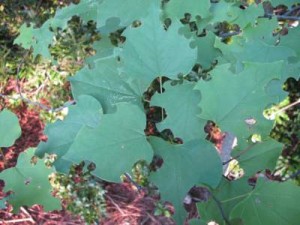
<point x="151" y="51"/>
<point x="195" y="162"/>
<point x="115" y="145"/>
<point x="10" y="129"/>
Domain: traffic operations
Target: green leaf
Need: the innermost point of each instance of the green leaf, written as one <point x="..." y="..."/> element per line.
<point x="248" y="15"/>
<point x="197" y="222"/>
<point x="227" y="195"/>
<point x="262" y="31"/>
<point x="207" y="53"/>
<point x="109" y="15"/>
<point x="61" y="134"/>
<point x="270" y="202"/>
<point x="291" y="40"/>
<point x="177" y="8"/>
<point x="282" y="2"/>
<point x="232" y="13"/>
<point x="223" y="11"/>
<point x="181" y="105"/>
<point x="255" y="44"/>
<point x="104" y="83"/>
<point x="119" y="9"/>
<point x="263" y="155"/>
<point x="114" y="145"/>
<point x="194" y="162"/>
<point x="39" y="39"/>
<point x="230" y="99"/>
<point x="29" y="183"/>
<point x="10" y="129"/>
<point x="104" y="50"/>
<point x="150" y="51"/>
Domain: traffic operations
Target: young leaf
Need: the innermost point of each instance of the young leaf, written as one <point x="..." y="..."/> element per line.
<point x="150" y="51"/>
<point x="181" y="105"/>
<point x="194" y="162"/>
<point x="114" y="145"/>
<point x="9" y="129"/>
<point x="29" y="183"/>
<point x="270" y="202"/>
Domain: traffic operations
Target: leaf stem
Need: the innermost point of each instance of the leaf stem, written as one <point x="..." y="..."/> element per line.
<point x="239" y="154"/>
<point x="219" y="204"/>
<point x="287" y="107"/>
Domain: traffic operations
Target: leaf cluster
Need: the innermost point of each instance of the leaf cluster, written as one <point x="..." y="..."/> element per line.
<point x="158" y="75"/>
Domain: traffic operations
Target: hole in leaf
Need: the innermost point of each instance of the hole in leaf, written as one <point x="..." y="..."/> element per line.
<point x="156" y="163"/>
<point x="136" y="23"/>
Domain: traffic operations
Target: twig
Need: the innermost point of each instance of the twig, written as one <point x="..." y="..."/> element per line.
<point x="153" y="219"/>
<point x="287" y="107"/>
<point x="27" y="214"/>
<point x="240" y="153"/>
<point x="294" y="175"/>
<point x="291" y="11"/>
<point x="16" y="221"/>
<point x="40" y="105"/>
<point x="139" y="187"/>
<point x="229" y="34"/>
<point x="295" y="18"/>
<point x="116" y="205"/>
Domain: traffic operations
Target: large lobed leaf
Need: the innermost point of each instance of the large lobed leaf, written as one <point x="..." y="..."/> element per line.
<point x="29" y="183"/>
<point x="227" y="195"/>
<point x="270" y="202"/>
<point x="195" y="162"/>
<point x="229" y="99"/>
<point x="9" y="128"/>
<point x="115" y="144"/>
<point x="151" y="51"/>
